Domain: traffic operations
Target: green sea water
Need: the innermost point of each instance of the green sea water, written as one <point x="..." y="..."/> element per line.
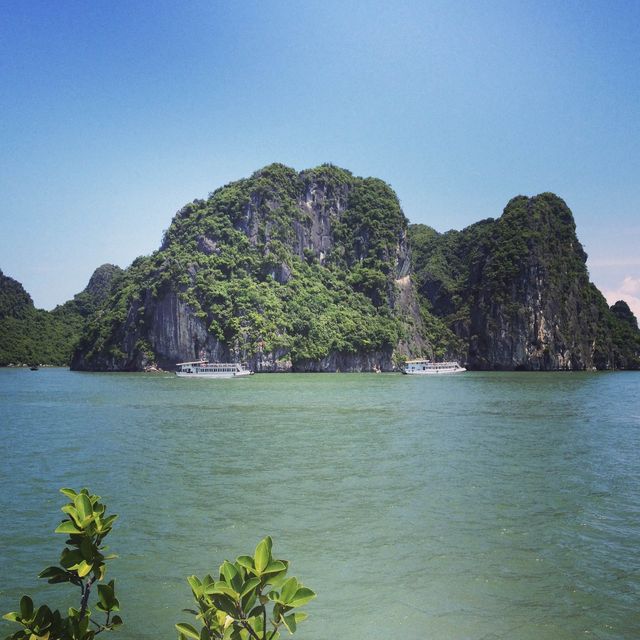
<point x="479" y="506"/>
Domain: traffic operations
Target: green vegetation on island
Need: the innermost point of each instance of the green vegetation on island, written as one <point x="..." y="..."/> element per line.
<point x="515" y="292"/>
<point x="249" y="265"/>
<point x="35" y="336"/>
<point x="319" y="271"/>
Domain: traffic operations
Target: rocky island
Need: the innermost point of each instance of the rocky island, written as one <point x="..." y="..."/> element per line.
<point x="320" y="270"/>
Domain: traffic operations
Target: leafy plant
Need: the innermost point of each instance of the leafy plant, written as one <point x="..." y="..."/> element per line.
<point x="251" y="599"/>
<point x="83" y="564"/>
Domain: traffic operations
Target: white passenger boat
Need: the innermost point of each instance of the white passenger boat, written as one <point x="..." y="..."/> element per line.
<point x="427" y="367"/>
<point x="206" y="369"/>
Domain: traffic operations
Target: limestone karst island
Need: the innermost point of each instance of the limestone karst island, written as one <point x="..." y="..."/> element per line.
<point x="321" y="271"/>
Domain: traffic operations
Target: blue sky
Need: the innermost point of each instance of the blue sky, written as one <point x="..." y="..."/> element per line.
<point x="115" y="114"/>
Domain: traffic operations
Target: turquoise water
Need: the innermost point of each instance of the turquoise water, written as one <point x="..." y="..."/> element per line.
<point x="483" y="505"/>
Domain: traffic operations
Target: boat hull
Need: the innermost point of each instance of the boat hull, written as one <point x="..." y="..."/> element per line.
<point x="445" y="372"/>
<point x="239" y="374"/>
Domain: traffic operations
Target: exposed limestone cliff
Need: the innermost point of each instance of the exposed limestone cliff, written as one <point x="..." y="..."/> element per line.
<point x="516" y="290"/>
<point x="314" y="271"/>
<point x="288" y="271"/>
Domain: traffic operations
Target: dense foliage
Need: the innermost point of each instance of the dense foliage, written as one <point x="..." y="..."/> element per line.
<point x="251" y="599"/>
<point x="486" y="283"/>
<point x="35" y="336"/>
<point x="287" y="270"/>
<point x="29" y="335"/>
<point x="623" y="326"/>
<point x="245" y="263"/>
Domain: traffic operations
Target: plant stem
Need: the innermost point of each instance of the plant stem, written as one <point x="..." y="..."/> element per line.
<point x="248" y="627"/>
<point x="85" y="596"/>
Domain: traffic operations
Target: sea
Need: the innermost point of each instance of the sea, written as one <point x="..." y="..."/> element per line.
<point x="483" y="505"/>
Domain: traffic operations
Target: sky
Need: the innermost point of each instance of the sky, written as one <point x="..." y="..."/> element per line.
<point x="114" y="114"/>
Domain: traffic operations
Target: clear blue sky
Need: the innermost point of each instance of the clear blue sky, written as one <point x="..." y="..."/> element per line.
<point x="114" y="114"/>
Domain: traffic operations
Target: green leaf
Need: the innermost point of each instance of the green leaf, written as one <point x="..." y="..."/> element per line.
<point x="68" y="527"/>
<point x="196" y="585"/>
<point x="55" y="575"/>
<point x="108" y="521"/>
<point x="246" y="562"/>
<point x="224" y="603"/>
<point x="290" y="623"/>
<point x="72" y="512"/>
<point x="222" y="588"/>
<point x="275" y="566"/>
<point x="106" y="596"/>
<point x="87" y="550"/>
<point x="14" y="616"/>
<point x="250" y="584"/>
<point x="83" y="506"/>
<point x="208" y="580"/>
<point x="228" y="571"/>
<point x="70" y="493"/>
<point x="289" y="589"/>
<point x="69" y="558"/>
<point x="187" y="630"/>
<point x="276" y="580"/>
<point x="116" y="621"/>
<point x="84" y="568"/>
<point x="263" y="554"/>
<point x="26" y="607"/>
<point x="249" y="600"/>
<point x="302" y="596"/>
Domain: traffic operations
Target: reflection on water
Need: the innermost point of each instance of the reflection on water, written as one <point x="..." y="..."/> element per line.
<point x="484" y="505"/>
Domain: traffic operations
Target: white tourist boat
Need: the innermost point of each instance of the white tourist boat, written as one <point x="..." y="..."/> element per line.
<point x="429" y="368"/>
<point x="206" y="369"/>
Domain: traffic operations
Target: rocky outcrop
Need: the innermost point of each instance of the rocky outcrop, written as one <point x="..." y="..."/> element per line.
<point x="315" y="271"/>
<point x="324" y="255"/>
<point x="516" y="290"/>
<point x="100" y="283"/>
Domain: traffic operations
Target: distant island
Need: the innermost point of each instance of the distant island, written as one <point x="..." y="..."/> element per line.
<point x="320" y="270"/>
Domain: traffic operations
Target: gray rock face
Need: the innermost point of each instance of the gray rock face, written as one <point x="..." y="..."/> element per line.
<point x="321" y="205"/>
<point x="543" y="321"/>
<point x="306" y="218"/>
<point x="177" y="335"/>
<point x="517" y="291"/>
